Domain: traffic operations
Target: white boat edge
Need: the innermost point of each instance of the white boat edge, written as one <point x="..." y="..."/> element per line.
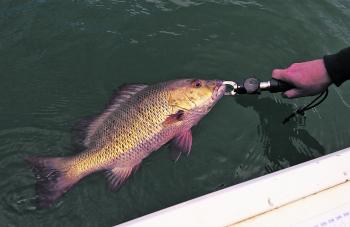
<point x="246" y="202"/>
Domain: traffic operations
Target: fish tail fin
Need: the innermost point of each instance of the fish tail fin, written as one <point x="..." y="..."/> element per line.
<point x="52" y="179"/>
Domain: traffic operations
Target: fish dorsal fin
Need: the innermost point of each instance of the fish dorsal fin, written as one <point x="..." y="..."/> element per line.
<point x="182" y="143"/>
<point x="118" y="175"/>
<point x="122" y="95"/>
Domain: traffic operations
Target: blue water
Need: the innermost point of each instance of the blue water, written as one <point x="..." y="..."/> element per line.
<point x="61" y="60"/>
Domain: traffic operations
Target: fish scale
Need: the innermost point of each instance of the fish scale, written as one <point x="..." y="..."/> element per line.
<point x="116" y="147"/>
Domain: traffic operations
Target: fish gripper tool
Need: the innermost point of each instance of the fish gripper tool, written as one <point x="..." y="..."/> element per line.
<point x="255" y="86"/>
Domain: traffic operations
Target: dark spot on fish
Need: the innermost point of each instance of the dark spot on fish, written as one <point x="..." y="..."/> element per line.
<point x="180" y="114"/>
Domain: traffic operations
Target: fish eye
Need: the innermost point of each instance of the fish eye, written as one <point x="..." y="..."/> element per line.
<point x="197" y="83"/>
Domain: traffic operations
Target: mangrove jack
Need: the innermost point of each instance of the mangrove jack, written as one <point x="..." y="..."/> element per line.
<point x="138" y="120"/>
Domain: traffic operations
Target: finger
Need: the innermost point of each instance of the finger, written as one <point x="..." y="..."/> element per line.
<point x="292" y="93"/>
<point x="283" y="75"/>
<point x="279" y="74"/>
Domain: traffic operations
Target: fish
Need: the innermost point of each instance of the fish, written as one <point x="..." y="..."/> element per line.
<point x="138" y="120"/>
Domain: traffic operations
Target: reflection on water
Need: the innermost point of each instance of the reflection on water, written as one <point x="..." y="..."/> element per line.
<point x="283" y="144"/>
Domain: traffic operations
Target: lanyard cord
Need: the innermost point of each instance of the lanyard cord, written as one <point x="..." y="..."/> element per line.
<point x="301" y="110"/>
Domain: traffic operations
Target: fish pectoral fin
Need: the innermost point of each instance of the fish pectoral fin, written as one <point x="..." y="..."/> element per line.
<point x="118" y="175"/>
<point x="174" y="118"/>
<point x="182" y="143"/>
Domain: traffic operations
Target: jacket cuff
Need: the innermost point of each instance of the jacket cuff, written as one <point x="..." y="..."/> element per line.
<point x="338" y="66"/>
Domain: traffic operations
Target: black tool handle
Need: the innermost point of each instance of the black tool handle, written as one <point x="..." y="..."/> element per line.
<point x="279" y="86"/>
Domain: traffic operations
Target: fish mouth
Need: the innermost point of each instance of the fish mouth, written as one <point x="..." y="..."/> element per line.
<point x="219" y="90"/>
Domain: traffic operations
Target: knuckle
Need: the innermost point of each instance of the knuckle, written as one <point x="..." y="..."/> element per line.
<point x="293" y="66"/>
<point x="289" y="72"/>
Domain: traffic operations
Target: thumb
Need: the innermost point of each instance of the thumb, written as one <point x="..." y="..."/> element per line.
<point x="292" y="93"/>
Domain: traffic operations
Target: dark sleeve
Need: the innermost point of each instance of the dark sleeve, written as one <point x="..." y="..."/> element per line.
<point x="338" y="66"/>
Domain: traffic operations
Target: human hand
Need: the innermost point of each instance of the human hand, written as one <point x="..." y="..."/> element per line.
<point x="309" y="78"/>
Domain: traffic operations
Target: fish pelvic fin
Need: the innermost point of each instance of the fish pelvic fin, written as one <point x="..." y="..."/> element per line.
<point x="182" y="143"/>
<point x="118" y="175"/>
<point x="52" y="179"/>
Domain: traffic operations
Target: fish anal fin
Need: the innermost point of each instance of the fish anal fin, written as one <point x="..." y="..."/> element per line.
<point x="182" y="143"/>
<point x="118" y="175"/>
<point x="89" y="127"/>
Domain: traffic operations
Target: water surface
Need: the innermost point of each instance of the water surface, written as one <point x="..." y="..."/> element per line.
<point x="61" y="60"/>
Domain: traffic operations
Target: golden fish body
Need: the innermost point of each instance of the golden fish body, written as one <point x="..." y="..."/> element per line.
<point x="139" y="120"/>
